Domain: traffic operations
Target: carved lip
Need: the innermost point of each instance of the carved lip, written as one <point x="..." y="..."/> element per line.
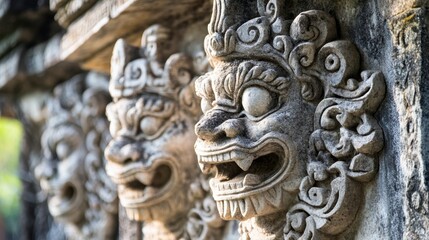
<point x="246" y="170"/>
<point x="141" y="186"/>
<point x="66" y="201"/>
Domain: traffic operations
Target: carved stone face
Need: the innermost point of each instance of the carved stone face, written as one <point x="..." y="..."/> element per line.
<point x="256" y="130"/>
<point x="150" y="157"/>
<point x="71" y="172"/>
<point x="253" y="136"/>
<point x="61" y="172"/>
<point x="156" y="40"/>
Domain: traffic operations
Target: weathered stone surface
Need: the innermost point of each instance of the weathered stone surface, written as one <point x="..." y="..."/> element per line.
<point x="99" y="27"/>
<point x="151" y="121"/>
<point x="35" y="220"/>
<point x="28" y="47"/>
<point x="54" y="5"/>
<point x="72" y="174"/>
<point x="281" y="92"/>
<point x="36" y="67"/>
<point x="128" y="229"/>
<point x="72" y="10"/>
<point x="409" y="31"/>
<point x="390" y="36"/>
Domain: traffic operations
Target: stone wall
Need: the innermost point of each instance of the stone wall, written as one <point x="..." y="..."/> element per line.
<point x="317" y="108"/>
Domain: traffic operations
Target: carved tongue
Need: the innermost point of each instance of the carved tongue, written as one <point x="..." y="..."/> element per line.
<point x="145" y="178"/>
<point x="251" y="179"/>
<point x="245" y="163"/>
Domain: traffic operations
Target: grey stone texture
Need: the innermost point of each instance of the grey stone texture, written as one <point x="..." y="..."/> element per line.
<point x="44" y="43"/>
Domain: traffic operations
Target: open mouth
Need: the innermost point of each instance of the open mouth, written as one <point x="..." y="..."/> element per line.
<point x="64" y="202"/>
<point x="68" y="192"/>
<point x="240" y="170"/>
<point x="158" y="179"/>
<point x="146" y="186"/>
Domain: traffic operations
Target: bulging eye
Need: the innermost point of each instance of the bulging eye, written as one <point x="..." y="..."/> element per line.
<point x="257" y="101"/>
<point x="150" y="126"/>
<point x="205" y="105"/>
<point x="63" y="150"/>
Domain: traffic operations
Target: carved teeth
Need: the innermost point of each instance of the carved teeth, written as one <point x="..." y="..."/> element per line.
<point x="244" y="164"/>
<point x="144" y="178"/>
<point x="222" y="157"/>
<point x="251" y="179"/>
<point x="234" y="155"/>
<point x="226" y="209"/>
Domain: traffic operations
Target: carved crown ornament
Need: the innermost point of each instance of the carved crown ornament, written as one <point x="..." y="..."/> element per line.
<point x="288" y="130"/>
<point x="71" y="173"/>
<point x="151" y="156"/>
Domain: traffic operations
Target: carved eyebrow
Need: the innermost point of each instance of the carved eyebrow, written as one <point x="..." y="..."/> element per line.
<point x="63" y="132"/>
<point x="248" y="71"/>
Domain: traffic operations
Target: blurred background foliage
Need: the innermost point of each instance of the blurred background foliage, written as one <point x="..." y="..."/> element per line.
<point x="11" y="132"/>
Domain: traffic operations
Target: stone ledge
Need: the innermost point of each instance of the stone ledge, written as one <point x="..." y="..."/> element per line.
<point x="72" y="10"/>
<point x="37" y="67"/>
<point x="88" y="38"/>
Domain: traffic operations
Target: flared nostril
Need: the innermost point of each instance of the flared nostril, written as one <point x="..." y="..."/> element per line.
<point x="231" y="132"/>
<point x="206" y="134"/>
<point x="110" y="155"/>
<point x="217" y="125"/>
<point x="232" y="128"/>
<point x="44" y="171"/>
<point x="202" y="133"/>
<point x="122" y="153"/>
<point x="127" y="161"/>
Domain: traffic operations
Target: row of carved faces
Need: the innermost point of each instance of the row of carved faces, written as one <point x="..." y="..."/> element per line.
<point x="252" y="137"/>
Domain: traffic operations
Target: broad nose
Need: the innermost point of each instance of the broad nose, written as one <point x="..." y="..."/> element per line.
<point x="218" y="124"/>
<point x="44" y="170"/>
<point x="122" y="151"/>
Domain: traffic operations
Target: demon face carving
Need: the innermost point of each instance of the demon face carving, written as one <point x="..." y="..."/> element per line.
<point x="288" y="129"/>
<point x="148" y="157"/>
<point x="254" y="124"/>
<point x="71" y="173"/>
<point x="151" y="155"/>
<point x="61" y="172"/>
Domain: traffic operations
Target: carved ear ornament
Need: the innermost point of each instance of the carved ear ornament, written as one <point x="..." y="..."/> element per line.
<point x="346" y="138"/>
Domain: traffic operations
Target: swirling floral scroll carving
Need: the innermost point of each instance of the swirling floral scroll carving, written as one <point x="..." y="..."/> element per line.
<point x="328" y="129"/>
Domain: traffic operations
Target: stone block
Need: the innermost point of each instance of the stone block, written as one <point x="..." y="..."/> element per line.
<point x="90" y="38"/>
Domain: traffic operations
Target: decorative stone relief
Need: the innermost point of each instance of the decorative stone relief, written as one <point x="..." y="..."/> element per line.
<point x="151" y="155"/>
<point x="288" y="129"/>
<point x="72" y="174"/>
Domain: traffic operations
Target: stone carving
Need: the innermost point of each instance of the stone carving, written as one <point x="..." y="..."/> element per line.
<point x="288" y="126"/>
<point x="151" y="155"/>
<point x="72" y="174"/>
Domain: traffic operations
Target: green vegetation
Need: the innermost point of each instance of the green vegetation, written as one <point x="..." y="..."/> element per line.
<point x="10" y="188"/>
